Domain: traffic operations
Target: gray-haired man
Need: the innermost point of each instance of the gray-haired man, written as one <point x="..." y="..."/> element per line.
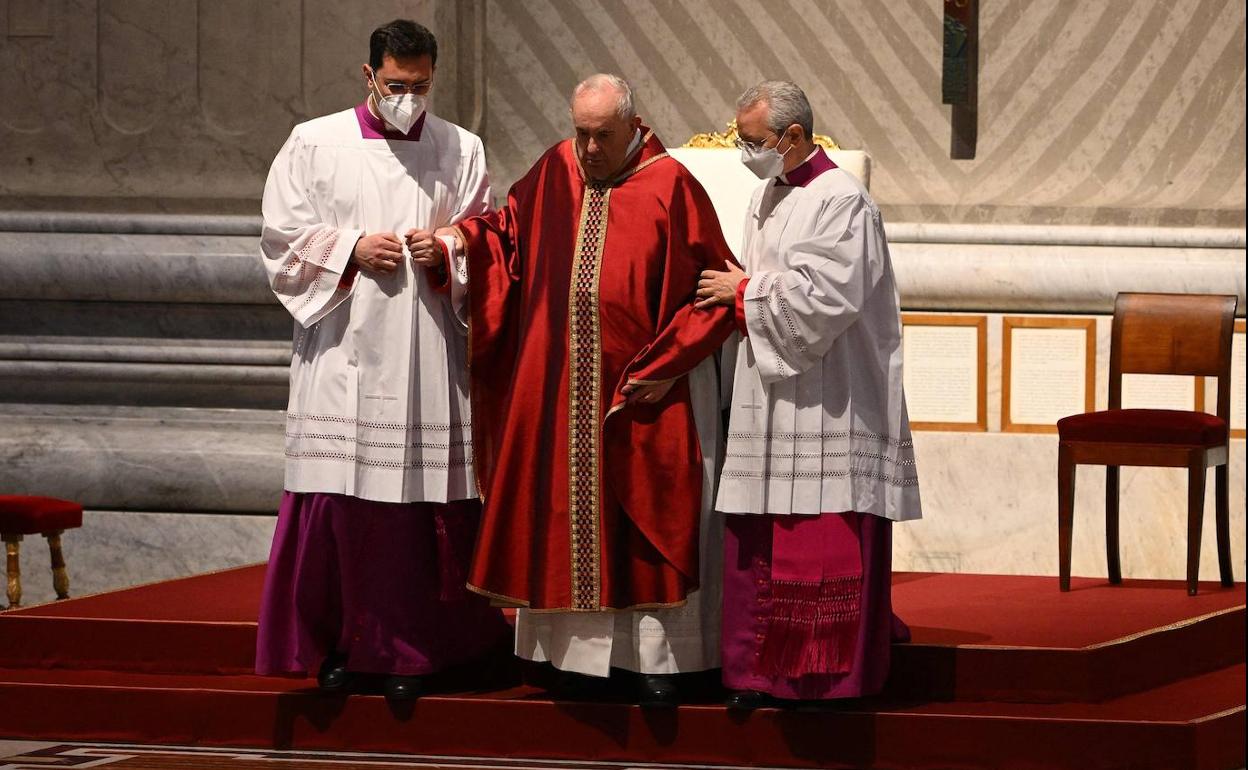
<point x="594" y="403"/>
<point x="819" y="461"/>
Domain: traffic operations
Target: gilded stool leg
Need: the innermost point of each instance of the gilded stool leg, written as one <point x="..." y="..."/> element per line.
<point x="13" y="550"/>
<point x="60" y="577"/>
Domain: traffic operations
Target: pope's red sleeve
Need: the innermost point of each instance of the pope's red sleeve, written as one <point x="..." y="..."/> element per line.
<point x="492" y="252"/>
<point x="694" y="243"/>
<point x="738" y="307"/>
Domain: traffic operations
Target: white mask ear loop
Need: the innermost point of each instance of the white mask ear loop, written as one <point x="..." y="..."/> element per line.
<point x="783" y="137"/>
<point x="374" y="91"/>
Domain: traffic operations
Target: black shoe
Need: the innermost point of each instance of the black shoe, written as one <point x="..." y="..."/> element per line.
<point x="403" y="687"/>
<point x="333" y="675"/>
<point x="657" y="691"/>
<point x="746" y="700"/>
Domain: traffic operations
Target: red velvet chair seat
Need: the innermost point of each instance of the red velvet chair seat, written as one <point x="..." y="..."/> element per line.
<point x="27" y="515"/>
<point x="1145" y="426"/>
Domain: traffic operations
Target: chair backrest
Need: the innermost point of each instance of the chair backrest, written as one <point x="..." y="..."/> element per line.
<point x="1173" y="334"/>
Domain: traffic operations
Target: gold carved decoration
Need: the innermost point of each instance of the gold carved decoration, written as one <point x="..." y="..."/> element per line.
<point x="60" y="576"/>
<point x="728" y="138"/>
<point x="13" y="550"/>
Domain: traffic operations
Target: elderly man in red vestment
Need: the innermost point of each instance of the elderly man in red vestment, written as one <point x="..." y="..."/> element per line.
<point x="594" y="399"/>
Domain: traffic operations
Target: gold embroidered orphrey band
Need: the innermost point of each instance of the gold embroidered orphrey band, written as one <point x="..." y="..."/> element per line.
<point x="584" y="399"/>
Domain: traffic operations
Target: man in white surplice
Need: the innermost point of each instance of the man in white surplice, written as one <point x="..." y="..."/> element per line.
<point x="379" y="514"/>
<point x="819" y="456"/>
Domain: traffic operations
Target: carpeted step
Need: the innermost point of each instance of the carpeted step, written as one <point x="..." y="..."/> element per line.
<point x="1194" y="723"/>
<point x="975" y="637"/>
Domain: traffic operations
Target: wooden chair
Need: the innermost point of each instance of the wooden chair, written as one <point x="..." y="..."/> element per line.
<point x="1187" y="334"/>
<point x="23" y="515"/>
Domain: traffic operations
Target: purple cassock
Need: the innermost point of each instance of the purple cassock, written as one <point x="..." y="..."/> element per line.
<point x="807" y="611"/>
<point x="382" y="583"/>
<point x="808" y="605"/>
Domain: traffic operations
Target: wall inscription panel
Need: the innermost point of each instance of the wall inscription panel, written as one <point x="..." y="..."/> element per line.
<point x="945" y="371"/>
<point x="1048" y="371"/>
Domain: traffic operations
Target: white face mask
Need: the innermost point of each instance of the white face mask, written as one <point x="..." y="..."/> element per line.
<point x="400" y="111"/>
<point x="765" y="162"/>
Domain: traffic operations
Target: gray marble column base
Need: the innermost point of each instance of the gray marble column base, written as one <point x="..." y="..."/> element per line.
<point x="136" y="458"/>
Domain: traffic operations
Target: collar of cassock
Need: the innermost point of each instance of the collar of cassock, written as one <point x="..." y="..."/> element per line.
<point x="814" y="165"/>
<point x="373" y="127"/>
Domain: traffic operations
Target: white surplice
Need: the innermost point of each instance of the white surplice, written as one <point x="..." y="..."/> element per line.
<point x="378" y="384"/>
<point x="666" y="641"/>
<point x="818" y="421"/>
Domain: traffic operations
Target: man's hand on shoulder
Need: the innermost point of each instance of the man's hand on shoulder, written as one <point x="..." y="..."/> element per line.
<point x="719" y="287"/>
<point x="378" y="253"/>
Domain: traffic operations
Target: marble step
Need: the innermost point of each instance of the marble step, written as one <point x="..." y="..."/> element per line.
<point x="158" y="350"/>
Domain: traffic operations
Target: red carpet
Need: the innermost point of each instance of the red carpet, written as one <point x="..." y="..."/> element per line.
<point x="1002" y="672"/>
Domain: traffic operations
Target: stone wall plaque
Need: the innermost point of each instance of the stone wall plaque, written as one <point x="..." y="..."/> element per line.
<point x="945" y="365"/>
<point x="1048" y="371"/>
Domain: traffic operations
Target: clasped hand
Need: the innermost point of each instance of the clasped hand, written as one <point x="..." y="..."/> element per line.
<point x="382" y="252"/>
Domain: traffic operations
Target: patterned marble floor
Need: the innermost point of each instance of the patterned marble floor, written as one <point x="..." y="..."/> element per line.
<point x="32" y="755"/>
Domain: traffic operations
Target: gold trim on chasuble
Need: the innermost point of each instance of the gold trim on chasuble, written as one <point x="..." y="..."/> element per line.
<point x="585" y="399"/>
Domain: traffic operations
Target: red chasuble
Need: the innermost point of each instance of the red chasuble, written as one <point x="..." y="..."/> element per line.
<point x="578" y="287"/>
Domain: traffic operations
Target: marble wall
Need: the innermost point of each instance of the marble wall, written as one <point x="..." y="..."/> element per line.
<point x="990" y="505"/>
<point x="161" y="104"/>
<point x="1127" y="112"/>
<point x="142" y="361"/>
<point x="1124" y="112"/>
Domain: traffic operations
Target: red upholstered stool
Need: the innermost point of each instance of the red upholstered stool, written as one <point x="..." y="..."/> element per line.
<point x="22" y="515"/>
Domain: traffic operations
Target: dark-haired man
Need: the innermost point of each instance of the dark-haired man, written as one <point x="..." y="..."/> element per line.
<point x="379" y="514"/>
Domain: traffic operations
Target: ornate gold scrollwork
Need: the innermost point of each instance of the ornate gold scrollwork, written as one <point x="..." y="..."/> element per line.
<point x="728" y="137"/>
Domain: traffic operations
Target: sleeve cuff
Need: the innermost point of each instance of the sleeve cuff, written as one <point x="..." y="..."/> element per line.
<point x="348" y="276"/>
<point x="739" y="308"/>
<point x="339" y="260"/>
